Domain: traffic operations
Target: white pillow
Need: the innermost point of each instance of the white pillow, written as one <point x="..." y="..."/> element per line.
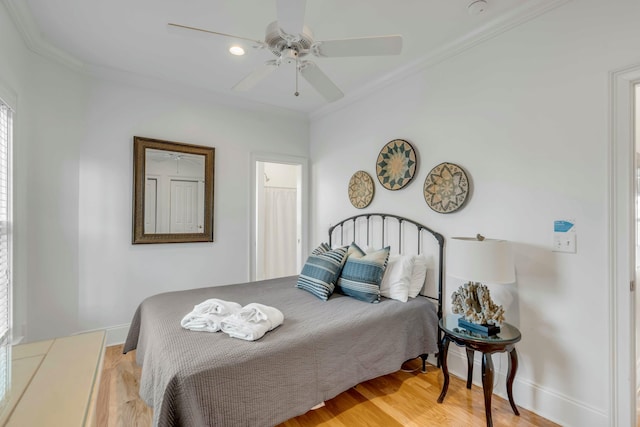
<point x="397" y="276"/>
<point x="418" y="275"/>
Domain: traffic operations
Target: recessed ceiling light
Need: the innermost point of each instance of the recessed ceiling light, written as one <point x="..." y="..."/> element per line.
<point x="236" y="50"/>
<point x="477" y="7"/>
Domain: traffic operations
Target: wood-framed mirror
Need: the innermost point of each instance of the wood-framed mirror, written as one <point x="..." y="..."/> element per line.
<point x="172" y="191"/>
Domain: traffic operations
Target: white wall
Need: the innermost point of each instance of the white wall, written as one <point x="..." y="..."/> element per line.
<point x="75" y="266"/>
<point x="525" y="114"/>
<point x="56" y="127"/>
<point x="48" y="125"/>
<point x="115" y="275"/>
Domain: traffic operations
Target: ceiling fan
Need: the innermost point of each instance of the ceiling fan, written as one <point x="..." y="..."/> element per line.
<point x="291" y="42"/>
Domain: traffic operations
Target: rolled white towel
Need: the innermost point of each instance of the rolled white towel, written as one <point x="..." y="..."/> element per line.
<point x="217" y="306"/>
<point x="201" y="322"/>
<point x="252" y="322"/>
<point x="207" y="315"/>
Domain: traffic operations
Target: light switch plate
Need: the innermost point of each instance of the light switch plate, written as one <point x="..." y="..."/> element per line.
<point x="564" y="236"/>
<point x="564" y="242"/>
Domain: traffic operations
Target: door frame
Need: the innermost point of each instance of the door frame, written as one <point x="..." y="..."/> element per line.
<point x="621" y="245"/>
<point x="303" y="162"/>
<point x="146" y="203"/>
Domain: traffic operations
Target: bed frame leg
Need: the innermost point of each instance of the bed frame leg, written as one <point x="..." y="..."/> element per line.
<point x="424" y="362"/>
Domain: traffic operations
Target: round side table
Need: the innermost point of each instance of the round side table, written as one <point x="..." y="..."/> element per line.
<point x="503" y="341"/>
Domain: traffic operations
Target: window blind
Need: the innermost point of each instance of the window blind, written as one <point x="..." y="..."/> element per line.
<point x="6" y="134"/>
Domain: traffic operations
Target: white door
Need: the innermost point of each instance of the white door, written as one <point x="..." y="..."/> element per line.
<point x="184" y="207"/>
<point x="150" y="206"/>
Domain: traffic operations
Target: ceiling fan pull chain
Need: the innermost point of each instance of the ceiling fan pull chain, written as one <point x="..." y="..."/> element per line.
<point x="296" y="93"/>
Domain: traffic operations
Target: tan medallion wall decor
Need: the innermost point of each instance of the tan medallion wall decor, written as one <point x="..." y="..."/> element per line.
<point x="396" y="164"/>
<point x="446" y="188"/>
<point x="361" y="189"/>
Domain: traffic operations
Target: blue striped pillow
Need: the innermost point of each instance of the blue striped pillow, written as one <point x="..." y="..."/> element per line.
<point x="362" y="274"/>
<point x="324" y="247"/>
<point x="320" y="272"/>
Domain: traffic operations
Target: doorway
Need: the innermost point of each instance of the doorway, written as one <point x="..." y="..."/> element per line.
<point x="278" y="216"/>
<point x="621" y="245"/>
<point x="636" y="139"/>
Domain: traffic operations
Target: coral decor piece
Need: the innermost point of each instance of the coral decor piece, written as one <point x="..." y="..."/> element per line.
<point x="473" y="300"/>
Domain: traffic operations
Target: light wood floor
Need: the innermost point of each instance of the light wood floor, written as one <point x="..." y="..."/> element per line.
<point x="398" y="399"/>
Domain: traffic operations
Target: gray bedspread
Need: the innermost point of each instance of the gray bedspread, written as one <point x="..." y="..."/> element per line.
<point x="322" y="349"/>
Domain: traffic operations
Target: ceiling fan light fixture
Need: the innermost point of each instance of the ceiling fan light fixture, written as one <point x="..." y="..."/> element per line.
<point x="236" y="50"/>
<point x="290" y="42"/>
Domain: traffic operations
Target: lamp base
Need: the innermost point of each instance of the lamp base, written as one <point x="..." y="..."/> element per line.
<point x="480" y="329"/>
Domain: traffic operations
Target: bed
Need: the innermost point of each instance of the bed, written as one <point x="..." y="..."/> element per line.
<point x="322" y="349"/>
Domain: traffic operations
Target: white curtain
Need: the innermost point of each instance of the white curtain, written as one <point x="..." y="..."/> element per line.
<point x="280" y="240"/>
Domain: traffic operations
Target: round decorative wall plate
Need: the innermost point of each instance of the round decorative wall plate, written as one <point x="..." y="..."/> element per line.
<point x="396" y="164"/>
<point x="361" y="189"/>
<point x="446" y="188"/>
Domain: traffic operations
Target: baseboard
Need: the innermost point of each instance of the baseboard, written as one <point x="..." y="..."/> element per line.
<point x="115" y="335"/>
<point x="547" y="403"/>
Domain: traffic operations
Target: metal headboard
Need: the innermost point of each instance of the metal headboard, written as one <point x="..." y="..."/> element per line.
<point x="400" y="221"/>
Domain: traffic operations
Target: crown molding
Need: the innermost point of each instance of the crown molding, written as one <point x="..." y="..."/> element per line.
<point x="528" y="11"/>
<point x="22" y="18"/>
<point x="20" y="14"/>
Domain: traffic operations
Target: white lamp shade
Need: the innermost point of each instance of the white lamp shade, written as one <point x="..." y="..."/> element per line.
<point x="483" y="261"/>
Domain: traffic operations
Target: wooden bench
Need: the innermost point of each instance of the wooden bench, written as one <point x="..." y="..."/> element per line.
<point x="55" y="382"/>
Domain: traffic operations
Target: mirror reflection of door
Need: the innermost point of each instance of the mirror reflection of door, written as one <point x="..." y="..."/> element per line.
<point x="184" y="206"/>
<point x="150" y="206"/>
<point x="278" y="219"/>
<point x="174" y="192"/>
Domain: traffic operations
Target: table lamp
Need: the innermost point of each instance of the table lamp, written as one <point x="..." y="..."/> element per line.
<point x="477" y="260"/>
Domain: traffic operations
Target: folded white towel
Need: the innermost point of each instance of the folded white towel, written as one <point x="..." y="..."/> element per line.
<point x="207" y="315"/>
<point x="252" y="322"/>
<point x="217" y="306"/>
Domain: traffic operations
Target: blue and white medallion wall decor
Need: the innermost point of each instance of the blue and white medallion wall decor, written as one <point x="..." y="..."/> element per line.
<point x="446" y="188"/>
<point x="396" y="164"/>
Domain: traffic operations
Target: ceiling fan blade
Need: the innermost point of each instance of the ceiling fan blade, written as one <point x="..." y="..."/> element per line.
<point x="361" y="46"/>
<point x="256" y="76"/>
<point x="291" y="16"/>
<point x="320" y="81"/>
<point x="193" y="31"/>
